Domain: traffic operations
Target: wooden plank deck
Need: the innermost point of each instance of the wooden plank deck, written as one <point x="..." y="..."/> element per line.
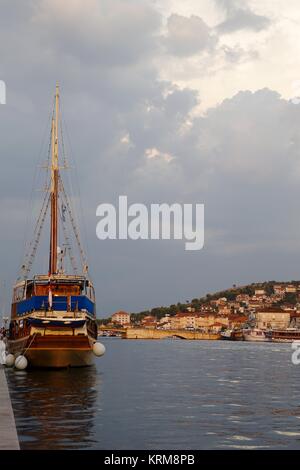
<point x="8" y="432"/>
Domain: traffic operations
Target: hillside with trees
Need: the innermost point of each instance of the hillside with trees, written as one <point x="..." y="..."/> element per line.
<point x="230" y="294"/>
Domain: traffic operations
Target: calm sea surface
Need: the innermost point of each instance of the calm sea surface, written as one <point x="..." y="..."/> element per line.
<point x="169" y="394"/>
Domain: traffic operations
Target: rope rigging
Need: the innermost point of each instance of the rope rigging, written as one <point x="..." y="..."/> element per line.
<point x="29" y="258"/>
<point x="73" y="224"/>
<point x="66" y="207"/>
<point x="68" y="243"/>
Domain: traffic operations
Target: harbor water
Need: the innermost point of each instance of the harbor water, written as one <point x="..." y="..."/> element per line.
<point x="165" y="394"/>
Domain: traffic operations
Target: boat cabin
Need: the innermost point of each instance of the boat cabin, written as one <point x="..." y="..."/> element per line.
<point x="58" y="292"/>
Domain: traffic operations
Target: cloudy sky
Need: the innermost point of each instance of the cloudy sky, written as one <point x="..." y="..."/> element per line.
<point x="164" y="101"/>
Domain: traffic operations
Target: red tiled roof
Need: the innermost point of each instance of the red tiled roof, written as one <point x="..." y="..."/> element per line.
<point x="237" y="318"/>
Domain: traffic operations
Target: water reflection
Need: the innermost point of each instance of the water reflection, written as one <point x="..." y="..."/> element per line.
<point x="55" y="409"/>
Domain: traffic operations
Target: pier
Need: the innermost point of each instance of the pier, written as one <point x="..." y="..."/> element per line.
<point x="152" y="333"/>
<point x="8" y="432"/>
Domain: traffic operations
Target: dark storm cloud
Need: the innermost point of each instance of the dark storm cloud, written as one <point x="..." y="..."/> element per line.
<point x="132" y="133"/>
<point x="106" y="33"/>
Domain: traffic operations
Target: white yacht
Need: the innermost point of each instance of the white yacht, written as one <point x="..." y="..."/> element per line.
<point x="255" y="334"/>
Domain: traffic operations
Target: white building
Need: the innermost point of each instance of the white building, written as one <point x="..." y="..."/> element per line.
<point x="121" y="318"/>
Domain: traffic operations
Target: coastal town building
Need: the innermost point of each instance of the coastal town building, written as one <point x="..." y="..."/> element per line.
<point x="165" y="319"/>
<point x="226" y="310"/>
<point x="243" y="298"/>
<point x="149" y="324"/>
<point x="199" y="320"/>
<point x="259" y="292"/>
<point x="120" y="318"/>
<point x="166" y="325"/>
<point x="274" y="318"/>
<point x="183" y="320"/>
<point x="237" y="321"/>
<point x="279" y="289"/>
<point x="217" y="327"/>
<point x="221" y="302"/>
<point x="290" y="289"/>
<point x="207" y="321"/>
<point x="149" y="321"/>
<point x="191" y="309"/>
<point x="255" y="304"/>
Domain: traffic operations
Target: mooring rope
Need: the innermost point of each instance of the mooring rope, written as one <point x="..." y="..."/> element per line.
<point x="30" y="343"/>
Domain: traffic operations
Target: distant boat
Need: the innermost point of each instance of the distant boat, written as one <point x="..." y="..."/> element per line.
<point x="284" y="336"/>
<point x="173" y="337"/>
<point x="53" y="315"/>
<point x="256" y="335"/>
<point x="232" y="335"/>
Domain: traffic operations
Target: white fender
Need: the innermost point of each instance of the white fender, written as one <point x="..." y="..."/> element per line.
<point x="98" y="349"/>
<point x="21" y="363"/>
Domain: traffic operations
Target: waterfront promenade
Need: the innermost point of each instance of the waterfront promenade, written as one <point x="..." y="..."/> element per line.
<point x="8" y="432"/>
<point x="153" y="333"/>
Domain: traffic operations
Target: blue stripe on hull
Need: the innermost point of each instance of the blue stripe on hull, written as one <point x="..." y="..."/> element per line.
<point x="40" y="302"/>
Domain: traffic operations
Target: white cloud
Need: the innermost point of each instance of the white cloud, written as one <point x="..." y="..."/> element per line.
<point x="125" y="139"/>
<point x="155" y="153"/>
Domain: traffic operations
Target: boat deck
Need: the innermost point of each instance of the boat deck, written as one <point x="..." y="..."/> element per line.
<point x="8" y="432"/>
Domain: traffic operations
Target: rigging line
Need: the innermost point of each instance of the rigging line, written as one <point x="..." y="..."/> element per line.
<point x="79" y="193"/>
<point x="65" y="160"/>
<point x="32" y="255"/>
<point x="26" y="269"/>
<point x="35" y="229"/>
<point x="46" y="186"/>
<point x="68" y="244"/>
<point x="30" y="201"/>
<point x="72" y="199"/>
<point x="74" y="227"/>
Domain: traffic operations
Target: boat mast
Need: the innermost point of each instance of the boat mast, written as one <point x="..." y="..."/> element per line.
<point x="54" y="189"/>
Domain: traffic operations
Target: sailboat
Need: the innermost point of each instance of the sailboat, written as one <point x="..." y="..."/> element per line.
<point x="53" y="315"/>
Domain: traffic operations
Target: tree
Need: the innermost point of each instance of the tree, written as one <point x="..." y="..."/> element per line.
<point x="290" y="298"/>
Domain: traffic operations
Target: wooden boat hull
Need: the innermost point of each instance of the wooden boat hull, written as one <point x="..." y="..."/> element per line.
<point x="54" y="351"/>
<point x="58" y="359"/>
<point x="255" y="339"/>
